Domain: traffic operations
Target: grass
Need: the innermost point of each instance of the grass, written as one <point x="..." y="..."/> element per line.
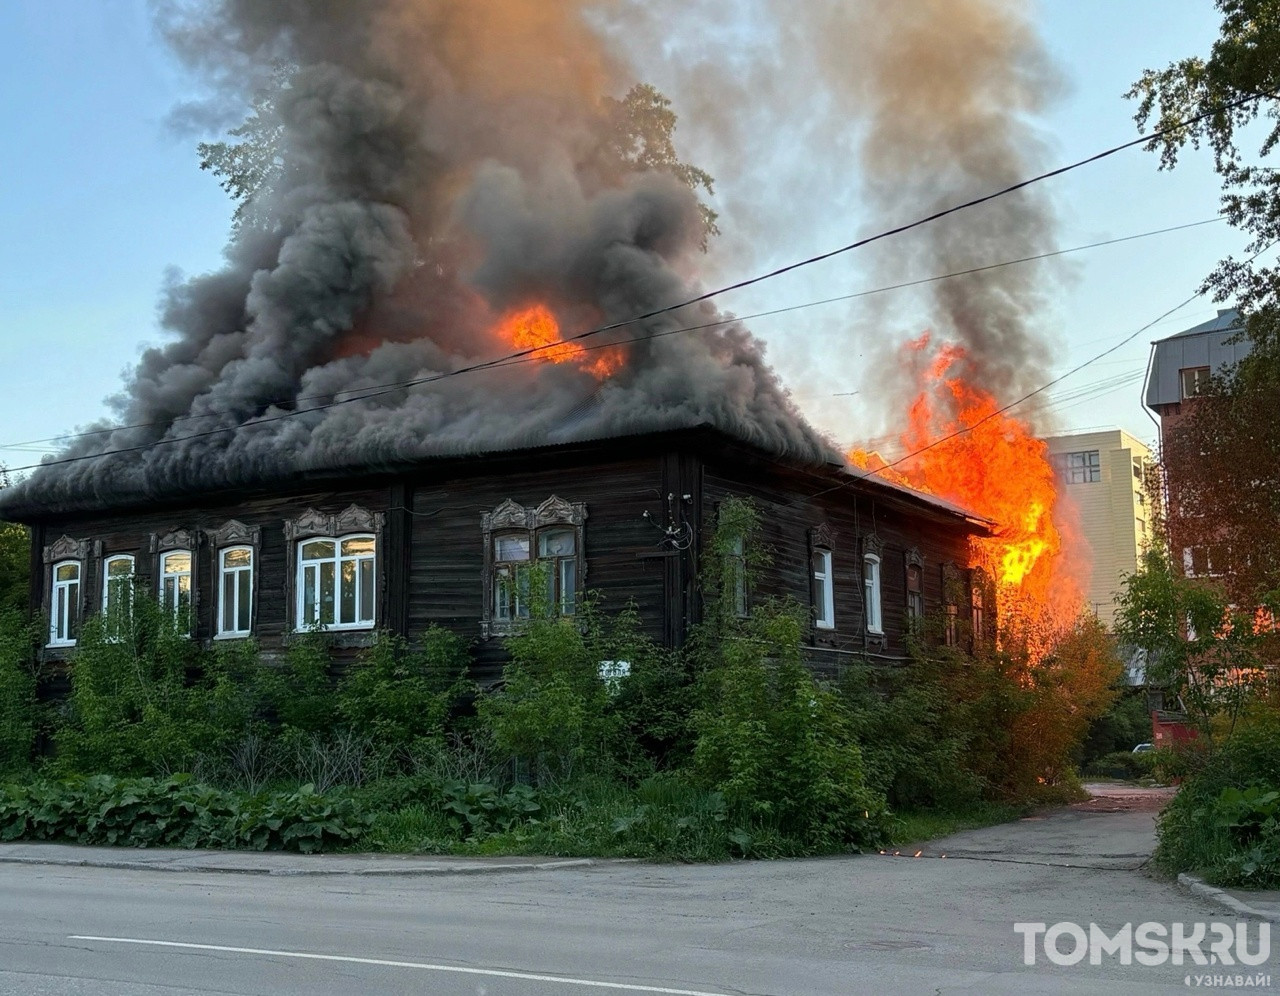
<point x="921" y="825"/>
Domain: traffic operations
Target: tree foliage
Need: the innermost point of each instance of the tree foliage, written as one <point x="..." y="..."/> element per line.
<point x="635" y="135"/>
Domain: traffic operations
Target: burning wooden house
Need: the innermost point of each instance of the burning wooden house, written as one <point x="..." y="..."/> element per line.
<point x="438" y="541"/>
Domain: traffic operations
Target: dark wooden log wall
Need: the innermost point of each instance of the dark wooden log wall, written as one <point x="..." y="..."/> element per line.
<point x="446" y="583"/>
<point x="794" y="502"/>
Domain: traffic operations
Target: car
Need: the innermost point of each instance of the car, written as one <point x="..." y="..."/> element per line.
<point x="1143" y="748"/>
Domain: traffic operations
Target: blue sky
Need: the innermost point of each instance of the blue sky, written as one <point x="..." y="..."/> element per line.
<point x="101" y="199"/>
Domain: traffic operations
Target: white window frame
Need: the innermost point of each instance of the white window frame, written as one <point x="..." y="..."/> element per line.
<point x="60" y="621"/>
<point x="824" y="589"/>
<point x="337" y="560"/>
<point x="1198" y="381"/>
<point x="114" y="625"/>
<point x="223" y="571"/>
<point x="871" y="593"/>
<point x="166" y="576"/>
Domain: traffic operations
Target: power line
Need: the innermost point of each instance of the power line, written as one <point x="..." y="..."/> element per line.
<point x="526" y="356"/>
<point x="708" y="295"/>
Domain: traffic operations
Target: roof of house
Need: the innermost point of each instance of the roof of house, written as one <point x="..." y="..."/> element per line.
<point x="37" y="499"/>
<point x="1226" y="319"/>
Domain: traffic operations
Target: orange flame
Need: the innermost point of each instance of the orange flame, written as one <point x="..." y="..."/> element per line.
<point x="965" y="450"/>
<point x="536" y="327"/>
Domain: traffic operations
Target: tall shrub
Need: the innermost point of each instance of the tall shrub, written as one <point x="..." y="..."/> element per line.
<point x="18" y="707"/>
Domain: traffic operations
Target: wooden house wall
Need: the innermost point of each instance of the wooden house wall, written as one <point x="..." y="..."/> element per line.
<point x="792" y="504"/>
<point x="446" y="572"/>
<point x="130" y="532"/>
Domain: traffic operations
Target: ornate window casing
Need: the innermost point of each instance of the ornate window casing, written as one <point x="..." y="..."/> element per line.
<point x="335" y="572"/>
<point x="822" y="577"/>
<point x="517" y="538"/>
<point x="873" y="603"/>
<point x="64" y="566"/>
<point x="951" y="586"/>
<point x="175" y="572"/>
<point x="914" y="588"/>
<point x="234" y="569"/>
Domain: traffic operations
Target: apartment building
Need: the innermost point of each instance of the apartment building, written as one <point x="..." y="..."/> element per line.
<point x="1102" y="474"/>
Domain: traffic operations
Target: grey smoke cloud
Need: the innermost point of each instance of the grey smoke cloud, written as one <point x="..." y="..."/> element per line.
<point x="441" y="166"/>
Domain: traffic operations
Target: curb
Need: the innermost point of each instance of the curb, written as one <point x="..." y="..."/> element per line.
<point x="300" y="872"/>
<point x="1224" y="899"/>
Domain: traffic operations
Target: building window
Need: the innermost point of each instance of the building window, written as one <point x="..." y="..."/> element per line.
<point x="824" y="590"/>
<point x="1195" y="381"/>
<point x="512" y="557"/>
<point x="558" y="553"/>
<point x="64" y="604"/>
<point x="1137" y="469"/>
<point x="336" y="583"/>
<point x="915" y="595"/>
<point x="871" y="592"/>
<point x="522" y="544"/>
<point x="951" y="625"/>
<point x="978" y="617"/>
<point x="117" y="592"/>
<point x="175" y="584"/>
<point x="1084" y="467"/>
<point x="235" y="591"/>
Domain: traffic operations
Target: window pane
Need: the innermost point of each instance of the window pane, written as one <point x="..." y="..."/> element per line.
<point x="510" y="548"/>
<point x="69" y="572"/>
<point x="328" y="578"/>
<point x="366" y="591"/>
<point x="228" y="602"/>
<point x="177" y="563"/>
<point x="502" y="593"/>
<point x="318" y="550"/>
<point x="560" y="543"/>
<point x="120" y="567"/>
<point x="244" y="587"/>
<point x="240" y="557"/>
<point x="358" y="546"/>
<point x="60" y="612"/>
<point x="819" y="561"/>
<point x="913" y="579"/>
<point x="347" y="593"/>
<point x="568" y="585"/>
<point x="73" y="610"/>
<point x="310" y="577"/>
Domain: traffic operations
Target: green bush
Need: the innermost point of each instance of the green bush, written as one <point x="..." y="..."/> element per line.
<point x="146" y="699"/>
<point x="1123" y="764"/>
<point x="397" y="695"/>
<point x="176" y="812"/>
<point x="778" y="747"/>
<point x="1223" y="822"/>
<point x="19" y="709"/>
<point x="1121" y="728"/>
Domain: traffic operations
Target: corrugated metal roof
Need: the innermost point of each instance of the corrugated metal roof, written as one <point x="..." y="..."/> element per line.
<point x="1228" y="318"/>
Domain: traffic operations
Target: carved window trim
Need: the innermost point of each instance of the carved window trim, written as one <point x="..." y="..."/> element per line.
<point x="913" y="572"/>
<point x="822" y="584"/>
<point x="59" y="553"/>
<point x="510" y="517"/>
<point x="351" y="522"/>
<point x="231" y="534"/>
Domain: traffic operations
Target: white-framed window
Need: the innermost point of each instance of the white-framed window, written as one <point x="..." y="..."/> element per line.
<point x="64" y="604"/>
<point x="1195" y="381"/>
<point x="175" y="582"/>
<point x="235" y="591"/>
<point x="871" y="592"/>
<point x="824" y="590"/>
<point x="915" y="594"/>
<point x="1083" y="467"/>
<point x="117" y="591"/>
<point x="337" y="585"/>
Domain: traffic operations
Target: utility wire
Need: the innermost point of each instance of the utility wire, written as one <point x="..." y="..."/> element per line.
<point x="1150" y="137"/>
<point x="382" y="389"/>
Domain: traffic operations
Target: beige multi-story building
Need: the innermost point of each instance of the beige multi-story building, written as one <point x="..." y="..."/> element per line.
<point x="1102" y="474"/>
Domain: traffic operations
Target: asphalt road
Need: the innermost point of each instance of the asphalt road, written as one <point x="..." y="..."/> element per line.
<point x="867" y="924"/>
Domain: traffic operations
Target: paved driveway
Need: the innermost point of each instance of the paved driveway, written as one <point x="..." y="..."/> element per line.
<point x="869" y="924"/>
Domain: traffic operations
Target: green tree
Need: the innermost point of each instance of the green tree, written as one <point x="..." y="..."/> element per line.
<point x="1243" y="62"/>
<point x="15" y="561"/>
<point x="635" y="137"/>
